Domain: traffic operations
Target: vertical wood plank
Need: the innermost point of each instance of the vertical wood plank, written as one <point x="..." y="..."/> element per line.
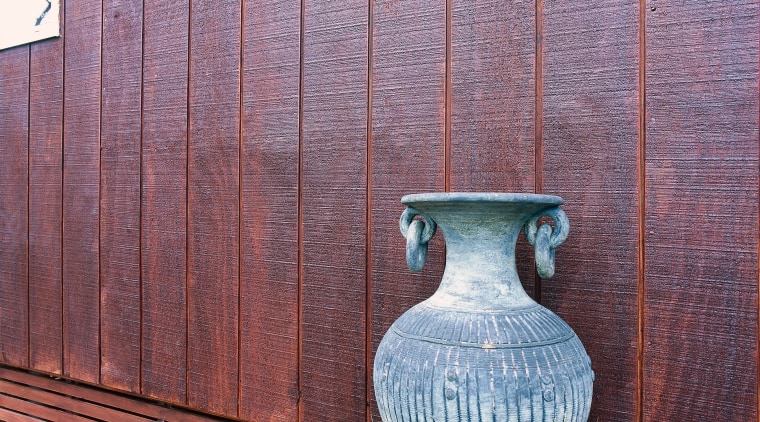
<point x="120" y="195"/>
<point x="213" y="206"/>
<point x="493" y="103"/>
<point x="45" y="205"/>
<point x="269" y="213"/>
<point x="407" y="151"/>
<point x="590" y="159"/>
<point x="14" y="166"/>
<point x="701" y="292"/>
<point x="81" y="176"/>
<point x="334" y="204"/>
<point x="493" y="98"/>
<point x="164" y="201"/>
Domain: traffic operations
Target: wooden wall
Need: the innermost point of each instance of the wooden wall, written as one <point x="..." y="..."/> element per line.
<point x="199" y="201"/>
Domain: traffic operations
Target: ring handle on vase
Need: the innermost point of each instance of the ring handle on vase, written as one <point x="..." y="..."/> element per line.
<point x="417" y="233"/>
<point x="545" y="239"/>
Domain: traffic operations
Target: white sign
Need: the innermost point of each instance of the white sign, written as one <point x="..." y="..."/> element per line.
<point x="25" y="21"/>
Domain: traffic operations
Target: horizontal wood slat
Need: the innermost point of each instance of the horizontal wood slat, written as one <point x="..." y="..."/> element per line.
<point x="11" y="416"/>
<point x="54" y="399"/>
<point x="64" y="402"/>
<point x="40" y="411"/>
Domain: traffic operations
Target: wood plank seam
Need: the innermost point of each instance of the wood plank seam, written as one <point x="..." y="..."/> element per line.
<point x="538" y="117"/>
<point x="63" y="186"/>
<point x="100" y="195"/>
<point x="28" y="199"/>
<point x="140" y="372"/>
<point x="447" y="155"/>
<point x="300" y="211"/>
<point x="368" y="226"/>
<point x="241" y="127"/>
<point x="187" y="199"/>
<point x="641" y="289"/>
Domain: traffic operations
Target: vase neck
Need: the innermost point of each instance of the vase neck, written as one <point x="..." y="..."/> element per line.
<point x="480" y="272"/>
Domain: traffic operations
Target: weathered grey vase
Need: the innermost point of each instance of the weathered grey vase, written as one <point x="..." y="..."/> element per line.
<point x="480" y="349"/>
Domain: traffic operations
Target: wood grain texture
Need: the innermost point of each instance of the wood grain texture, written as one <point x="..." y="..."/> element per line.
<point x="45" y="210"/>
<point x="60" y="401"/>
<point x="14" y="202"/>
<point x="493" y="103"/>
<point x="69" y="393"/>
<point x="701" y="292"/>
<point x="120" y="195"/>
<point x="163" y="244"/>
<point x="24" y="407"/>
<point x="12" y="416"/>
<point x="493" y="99"/>
<point x="81" y="190"/>
<point x="407" y="152"/>
<point x="590" y="159"/>
<point x="295" y="264"/>
<point x="213" y="206"/>
<point x="334" y="211"/>
<point x="269" y="211"/>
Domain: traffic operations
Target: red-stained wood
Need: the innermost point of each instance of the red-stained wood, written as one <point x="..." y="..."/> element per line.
<point x="67" y="393"/>
<point x="12" y="416"/>
<point x="45" y="210"/>
<point x="120" y="195"/>
<point x="295" y="264"/>
<point x="164" y="201"/>
<point x="213" y="206"/>
<point x="701" y="291"/>
<point x="60" y="401"/>
<point x="269" y="211"/>
<point x="590" y="159"/>
<point x="493" y="103"/>
<point x="14" y="202"/>
<point x="81" y="177"/>
<point x="407" y="152"/>
<point x="41" y="411"/>
<point x="492" y="73"/>
<point x="334" y="211"/>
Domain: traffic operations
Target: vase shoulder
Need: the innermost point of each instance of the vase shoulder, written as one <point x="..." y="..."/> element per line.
<point x="526" y="327"/>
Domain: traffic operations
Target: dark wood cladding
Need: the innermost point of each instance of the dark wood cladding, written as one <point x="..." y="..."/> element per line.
<point x="213" y="209"/>
<point x="14" y="173"/>
<point x="120" y="168"/>
<point x="700" y="301"/>
<point x="45" y="210"/>
<point x="590" y="121"/>
<point x="333" y="211"/>
<point x="163" y="226"/>
<point x="408" y="77"/>
<point x="81" y="190"/>
<point x="269" y="272"/>
<point x="199" y="201"/>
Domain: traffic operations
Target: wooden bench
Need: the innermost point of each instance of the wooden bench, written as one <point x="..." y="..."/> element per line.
<point x="27" y="396"/>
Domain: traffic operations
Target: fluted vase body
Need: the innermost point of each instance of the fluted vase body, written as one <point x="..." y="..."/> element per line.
<point x="480" y="349"/>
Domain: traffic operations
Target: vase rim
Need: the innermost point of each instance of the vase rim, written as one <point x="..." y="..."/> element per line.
<point x="488" y="197"/>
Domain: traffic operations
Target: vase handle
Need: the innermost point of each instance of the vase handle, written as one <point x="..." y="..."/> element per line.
<point x="545" y="240"/>
<point x="417" y="233"/>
